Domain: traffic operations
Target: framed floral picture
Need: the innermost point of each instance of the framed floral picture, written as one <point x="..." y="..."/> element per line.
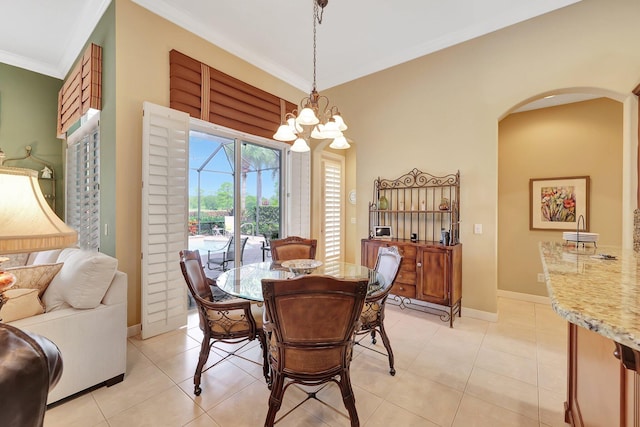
<point x="559" y="203"/>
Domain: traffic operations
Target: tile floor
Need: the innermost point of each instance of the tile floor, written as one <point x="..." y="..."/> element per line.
<point x="508" y="373"/>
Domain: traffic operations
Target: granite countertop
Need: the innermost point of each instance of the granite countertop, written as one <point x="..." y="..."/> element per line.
<point x="602" y="295"/>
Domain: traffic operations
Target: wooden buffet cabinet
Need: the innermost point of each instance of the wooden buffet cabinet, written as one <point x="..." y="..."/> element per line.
<point x="600" y="299"/>
<point x="428" y="272"/>
<point x="420" y="214"/>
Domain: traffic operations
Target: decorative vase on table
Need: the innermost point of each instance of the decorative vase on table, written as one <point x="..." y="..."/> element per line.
<point x="444" y="204"/>
<point x="383" y="203"/>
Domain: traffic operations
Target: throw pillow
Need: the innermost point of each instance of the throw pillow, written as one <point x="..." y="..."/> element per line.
<point x="82" y="281"/>
<point x="20" y="303"/>
<point x="35" y="276"/>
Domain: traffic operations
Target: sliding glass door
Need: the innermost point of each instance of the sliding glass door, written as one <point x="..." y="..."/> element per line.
<point x="235" y="189"/>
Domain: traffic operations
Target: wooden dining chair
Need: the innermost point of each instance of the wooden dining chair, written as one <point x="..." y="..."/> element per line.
<point x="372" y="317"/>
<point x="293" y="247"/>
<point x="229" y="321"/>
<point x="310" y="322"/>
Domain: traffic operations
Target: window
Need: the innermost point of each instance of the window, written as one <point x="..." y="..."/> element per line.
<point x="332" y="209"/>
<point x="83" y="182"/>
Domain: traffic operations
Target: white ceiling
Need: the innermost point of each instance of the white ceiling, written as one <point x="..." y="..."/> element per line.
<point x="356" y="38"/>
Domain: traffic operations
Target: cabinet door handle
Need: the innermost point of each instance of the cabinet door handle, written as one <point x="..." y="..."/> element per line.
<point x="419" y="264"/>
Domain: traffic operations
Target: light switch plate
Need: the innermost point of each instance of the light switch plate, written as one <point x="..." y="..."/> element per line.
<point x="477" y="229"/>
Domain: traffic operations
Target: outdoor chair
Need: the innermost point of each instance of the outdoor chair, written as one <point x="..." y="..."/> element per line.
<point x="372" y="317"/>
<point x="293" y="247"/>
<point x="221" y="259"/>
<point x="310" y="323"/>
<point x="230" y="321"/>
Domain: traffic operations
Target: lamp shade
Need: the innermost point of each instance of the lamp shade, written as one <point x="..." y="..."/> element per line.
<point x="340" y="143"/>
<point x="284" y="133"/>
<point x="300" y="146"/>
<point x="27" y="223"/>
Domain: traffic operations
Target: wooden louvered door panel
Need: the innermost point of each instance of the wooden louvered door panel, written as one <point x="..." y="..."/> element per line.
<point x="165" y="136"/>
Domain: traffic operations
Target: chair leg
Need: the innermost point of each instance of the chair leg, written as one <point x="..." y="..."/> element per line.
<point x="205" y="347"/>
<point x="348" y="398"/>
<point x="265" y="358"/>
<point x="387" y="346"/>
<point x="275" y="399"/>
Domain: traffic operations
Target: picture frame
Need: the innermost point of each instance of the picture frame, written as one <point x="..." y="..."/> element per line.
<point x="559" y="203"/>
<point x="382" y="232"/>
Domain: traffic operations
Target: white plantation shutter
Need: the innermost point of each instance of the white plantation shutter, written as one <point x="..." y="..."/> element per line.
<point x="83" y="183"/>
<point x="165" y="137"/>
<point x="298" y="220"/>
<point x="332" y="220"/>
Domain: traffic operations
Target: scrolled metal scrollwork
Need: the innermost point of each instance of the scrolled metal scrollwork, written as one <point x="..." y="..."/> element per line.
<point x="417" y="179"/>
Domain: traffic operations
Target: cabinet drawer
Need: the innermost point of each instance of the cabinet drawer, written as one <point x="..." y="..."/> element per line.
<point x="404" y="290"/>
<point x="408" y="277"/>
<point x="408" y="252"/>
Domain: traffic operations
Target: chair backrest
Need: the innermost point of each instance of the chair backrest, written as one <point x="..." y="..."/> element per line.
<point x="293" y="247"/>
<point x="191" y="265"/>
<point x="388" y="263"/>
<point x="313" y="319"/>
<point x="231" y="249"/>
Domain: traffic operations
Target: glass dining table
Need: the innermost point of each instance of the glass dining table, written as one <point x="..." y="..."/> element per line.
<point x="246" y="281"/>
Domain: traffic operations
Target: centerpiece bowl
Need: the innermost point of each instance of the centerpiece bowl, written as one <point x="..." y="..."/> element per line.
<point x="301" y="266"/>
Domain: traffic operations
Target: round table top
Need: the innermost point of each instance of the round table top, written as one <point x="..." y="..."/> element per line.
<point x="246" y="281"/>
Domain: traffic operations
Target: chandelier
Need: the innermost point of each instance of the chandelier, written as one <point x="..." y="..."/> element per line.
<point x="315" y="118"/>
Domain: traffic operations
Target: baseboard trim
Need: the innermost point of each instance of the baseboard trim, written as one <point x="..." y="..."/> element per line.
<point x="134" y="330"/>
<point x="538" y="299"/>
<point x="479" y="314"/>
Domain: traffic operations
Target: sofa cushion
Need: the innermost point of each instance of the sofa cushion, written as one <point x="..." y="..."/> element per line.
<point x="20" y="303"/>
<point x="35" y="276"/>
<point x="82" y="281"/>
<point x="44" y="257"/>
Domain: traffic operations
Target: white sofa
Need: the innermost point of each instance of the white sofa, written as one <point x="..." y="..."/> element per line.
<point x="93" y="341"/>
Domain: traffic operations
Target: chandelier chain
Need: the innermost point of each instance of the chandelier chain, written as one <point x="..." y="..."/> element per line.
<point x="316" y="17"/>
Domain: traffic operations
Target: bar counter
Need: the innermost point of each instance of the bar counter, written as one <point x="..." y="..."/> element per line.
<point x="600" y="299"/>
<point x="602" y="295"/>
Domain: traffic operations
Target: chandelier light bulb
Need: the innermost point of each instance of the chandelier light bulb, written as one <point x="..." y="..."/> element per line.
<point x="300" y="146"/>
<point x="295" y="127"/>
<point x="285" y="133"/>
<point x="340" y="143"/>
<point x="341" y="124"/>
<point x="317" y="132"/>
<point x="307" y="117"/>
<point x="331" y="130"/>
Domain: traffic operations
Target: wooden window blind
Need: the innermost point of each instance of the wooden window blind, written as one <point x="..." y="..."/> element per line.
<point x="82" y="90"/>
<point x="211" y="95"/>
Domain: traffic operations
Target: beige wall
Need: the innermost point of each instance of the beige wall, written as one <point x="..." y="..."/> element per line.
<point x="143" y="42"/>
<point x="577" y="139"/>
<point x="440" y="113"/>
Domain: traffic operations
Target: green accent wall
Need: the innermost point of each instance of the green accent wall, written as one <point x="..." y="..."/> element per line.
<point x="104" y="35"/>
<point x="28" y="110"/>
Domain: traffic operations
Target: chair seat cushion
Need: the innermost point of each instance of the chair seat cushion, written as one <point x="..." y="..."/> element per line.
<point x="234" y="320"/>
<point x="370" y="313"/>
